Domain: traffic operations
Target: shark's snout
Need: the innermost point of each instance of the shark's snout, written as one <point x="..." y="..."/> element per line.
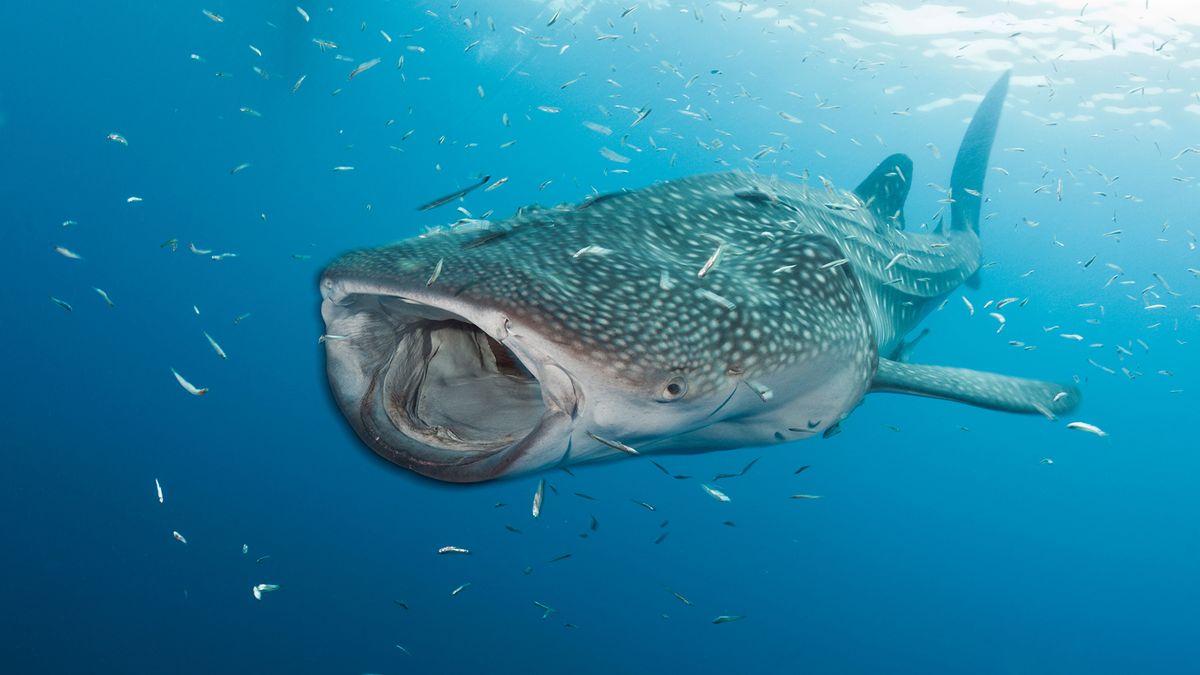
<point x="440" y="387"/>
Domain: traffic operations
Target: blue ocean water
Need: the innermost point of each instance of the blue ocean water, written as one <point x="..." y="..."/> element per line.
<point x="942" y="542"/>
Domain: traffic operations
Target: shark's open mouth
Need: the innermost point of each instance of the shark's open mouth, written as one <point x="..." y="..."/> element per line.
<point x="427" y="387"/>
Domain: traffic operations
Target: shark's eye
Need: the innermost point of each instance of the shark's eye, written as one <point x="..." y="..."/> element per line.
<point x="674" y="389"/>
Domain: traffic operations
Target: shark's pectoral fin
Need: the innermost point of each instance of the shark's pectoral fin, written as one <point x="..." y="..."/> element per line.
<point x="987" y="390"/>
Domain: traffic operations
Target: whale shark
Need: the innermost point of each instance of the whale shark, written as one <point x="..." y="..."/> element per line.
<point x="692" y="315"/>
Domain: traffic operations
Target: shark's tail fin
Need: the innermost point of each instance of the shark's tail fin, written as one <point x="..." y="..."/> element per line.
<point x="970" y="166"/>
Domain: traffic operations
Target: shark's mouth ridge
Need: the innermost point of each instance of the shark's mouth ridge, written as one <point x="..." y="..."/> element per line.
<point x="428" y="388"/>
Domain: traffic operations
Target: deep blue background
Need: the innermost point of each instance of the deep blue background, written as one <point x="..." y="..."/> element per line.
<point x="941" y="543"/>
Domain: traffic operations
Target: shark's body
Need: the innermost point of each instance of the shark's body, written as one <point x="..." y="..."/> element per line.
<point x="710" y="312"/>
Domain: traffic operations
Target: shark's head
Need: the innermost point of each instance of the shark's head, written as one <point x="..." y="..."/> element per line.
<point x="497" y="349"/>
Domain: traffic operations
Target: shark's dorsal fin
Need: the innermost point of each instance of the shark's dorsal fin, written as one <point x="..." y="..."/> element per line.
<point x="987" y="390"/>
<point x="885" y="190"/>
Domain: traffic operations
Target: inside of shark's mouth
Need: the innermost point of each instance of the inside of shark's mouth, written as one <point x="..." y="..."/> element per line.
<point x="444" y="383"/>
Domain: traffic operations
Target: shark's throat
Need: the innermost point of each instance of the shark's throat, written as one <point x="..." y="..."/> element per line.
<point x="430" y="389"/>
<point x="451" y="386"/>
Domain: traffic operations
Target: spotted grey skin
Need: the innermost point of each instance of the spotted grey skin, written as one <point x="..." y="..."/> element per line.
<point x="704" y="313"/>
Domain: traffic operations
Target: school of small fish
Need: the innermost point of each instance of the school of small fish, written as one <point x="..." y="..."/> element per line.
<point x="681" y="123"/>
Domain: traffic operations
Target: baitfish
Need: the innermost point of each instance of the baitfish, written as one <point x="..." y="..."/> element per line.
<point x="524" y="355"/>
<point x="442" y="201"/>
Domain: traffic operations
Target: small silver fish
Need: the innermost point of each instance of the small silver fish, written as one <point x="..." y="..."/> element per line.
<point x="104" y="294"/>
<point x="711" y="262"/>
<point x="538" y="495"/>
<point x="437" y="271"/>
<point x="188" y="386"/>
<point x="362" y="67"/>
<point x="259" y="589"/>
<point x="216" y="347"/>
<point x="1090" y="428"/>
<point x="615" y="445"/>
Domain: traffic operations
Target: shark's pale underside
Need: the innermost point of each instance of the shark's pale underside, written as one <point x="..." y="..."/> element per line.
<point x="705" y="313"/>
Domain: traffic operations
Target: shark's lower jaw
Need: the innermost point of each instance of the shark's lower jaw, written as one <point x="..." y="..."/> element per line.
<point x="428" y="388"/>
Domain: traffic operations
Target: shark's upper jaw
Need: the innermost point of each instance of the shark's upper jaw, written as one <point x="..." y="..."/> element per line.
<point x="441" y="387"/>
